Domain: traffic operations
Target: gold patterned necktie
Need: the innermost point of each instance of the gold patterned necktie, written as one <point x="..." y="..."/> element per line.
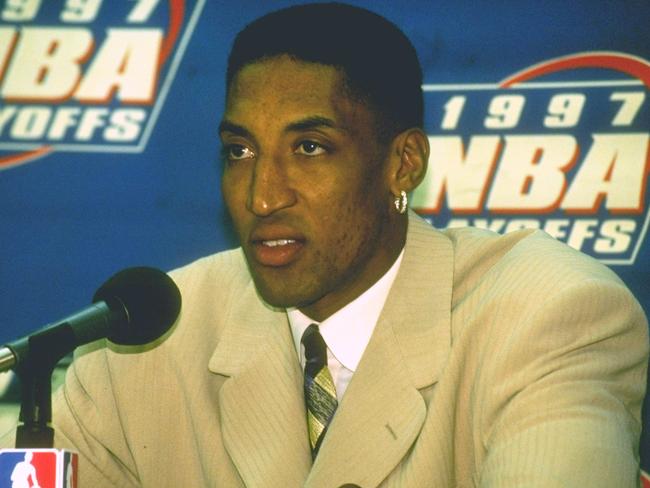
<point x="320" y="393"/>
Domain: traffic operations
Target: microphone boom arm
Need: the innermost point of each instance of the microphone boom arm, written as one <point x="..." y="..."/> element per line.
<point x="46" y="348"/>
<point x="34" y="359"/>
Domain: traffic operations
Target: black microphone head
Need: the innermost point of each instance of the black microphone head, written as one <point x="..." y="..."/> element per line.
<point x="151" y="300"/>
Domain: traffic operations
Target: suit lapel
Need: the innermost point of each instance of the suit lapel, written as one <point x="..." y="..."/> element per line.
<point x="382" y="412"/>
<point x="261" y="404"/>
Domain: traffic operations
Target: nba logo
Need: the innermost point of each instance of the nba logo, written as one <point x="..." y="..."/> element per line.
<point x="38" y="468"/>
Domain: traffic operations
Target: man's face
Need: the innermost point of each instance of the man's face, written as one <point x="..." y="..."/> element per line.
<point x="307" y="186"/>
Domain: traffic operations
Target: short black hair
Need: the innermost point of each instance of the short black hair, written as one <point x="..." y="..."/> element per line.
<point x="378" y="62"/>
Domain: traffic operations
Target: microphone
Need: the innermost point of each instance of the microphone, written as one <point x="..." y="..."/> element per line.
<point x="134" y="307"/>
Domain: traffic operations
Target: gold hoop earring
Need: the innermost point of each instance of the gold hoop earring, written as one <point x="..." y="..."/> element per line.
<point x="401" y="202"/>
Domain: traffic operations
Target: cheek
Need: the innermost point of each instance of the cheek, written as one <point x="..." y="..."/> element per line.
<point x="233" y="192"/>
<point x="364" y="217"/>
<point x="359" y="201"/>
<point x="226" y="185"/>
<point x="349" y="229"/>
<point x="233" y="184"/>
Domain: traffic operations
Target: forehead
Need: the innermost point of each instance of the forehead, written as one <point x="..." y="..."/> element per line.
<point x="282" y="88"/>
<point x="283" y="72"/>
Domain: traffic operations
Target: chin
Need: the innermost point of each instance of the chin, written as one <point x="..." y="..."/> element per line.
<point x="273" y="297"/>
<point x="281" y="299"/>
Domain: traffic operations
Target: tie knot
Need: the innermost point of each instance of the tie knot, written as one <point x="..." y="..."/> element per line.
<point x="315" y="348"/>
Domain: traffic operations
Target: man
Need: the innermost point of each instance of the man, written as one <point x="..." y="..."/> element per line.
<point x="461" y="358"/>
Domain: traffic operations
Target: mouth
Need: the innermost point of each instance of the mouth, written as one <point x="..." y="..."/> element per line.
<point x="277" y="251"/>
<point x="278" y="242"/>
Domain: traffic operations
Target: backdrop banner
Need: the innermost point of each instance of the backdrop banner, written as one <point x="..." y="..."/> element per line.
<point x="537" y="114"/>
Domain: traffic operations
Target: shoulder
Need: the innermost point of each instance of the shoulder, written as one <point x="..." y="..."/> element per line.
<point x="218" y="273"/>
<point x="521" y="258"/>
<point x="525" y="273"/>
<point x="538" y="292"/>
<point x="526" y="259"/>
<point x="210" y="287"/>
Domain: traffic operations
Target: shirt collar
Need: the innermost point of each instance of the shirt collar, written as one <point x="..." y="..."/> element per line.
<point x="347" y="332"/>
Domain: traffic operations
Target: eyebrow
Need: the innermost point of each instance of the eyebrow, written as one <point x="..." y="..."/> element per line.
<point x="227" y="126"/>
<point x="308" y="123"/>
<point x="314" y="122"/>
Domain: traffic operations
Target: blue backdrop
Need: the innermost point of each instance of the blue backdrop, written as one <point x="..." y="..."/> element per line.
<point x="109" y="147"/>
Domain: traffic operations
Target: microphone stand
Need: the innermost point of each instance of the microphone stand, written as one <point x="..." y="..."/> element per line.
<point x="39" y="354"/>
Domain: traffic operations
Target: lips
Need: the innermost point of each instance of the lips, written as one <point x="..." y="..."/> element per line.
<point x="276" y="247"/>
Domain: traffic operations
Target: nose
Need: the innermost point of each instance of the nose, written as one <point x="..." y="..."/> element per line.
<point x="269" y="188"/>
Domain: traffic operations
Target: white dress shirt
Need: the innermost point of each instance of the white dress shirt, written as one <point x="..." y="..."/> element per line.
<point x="347" y="332"/>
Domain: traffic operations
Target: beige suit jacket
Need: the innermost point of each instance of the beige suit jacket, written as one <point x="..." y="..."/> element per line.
<point x="498" y="361"/>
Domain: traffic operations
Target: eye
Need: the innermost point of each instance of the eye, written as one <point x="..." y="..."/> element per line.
<point x="236" y="152"/>
<point x="310" y="148"/>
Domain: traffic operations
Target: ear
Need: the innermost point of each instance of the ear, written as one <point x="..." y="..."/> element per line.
<point x="410" y="158"/>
